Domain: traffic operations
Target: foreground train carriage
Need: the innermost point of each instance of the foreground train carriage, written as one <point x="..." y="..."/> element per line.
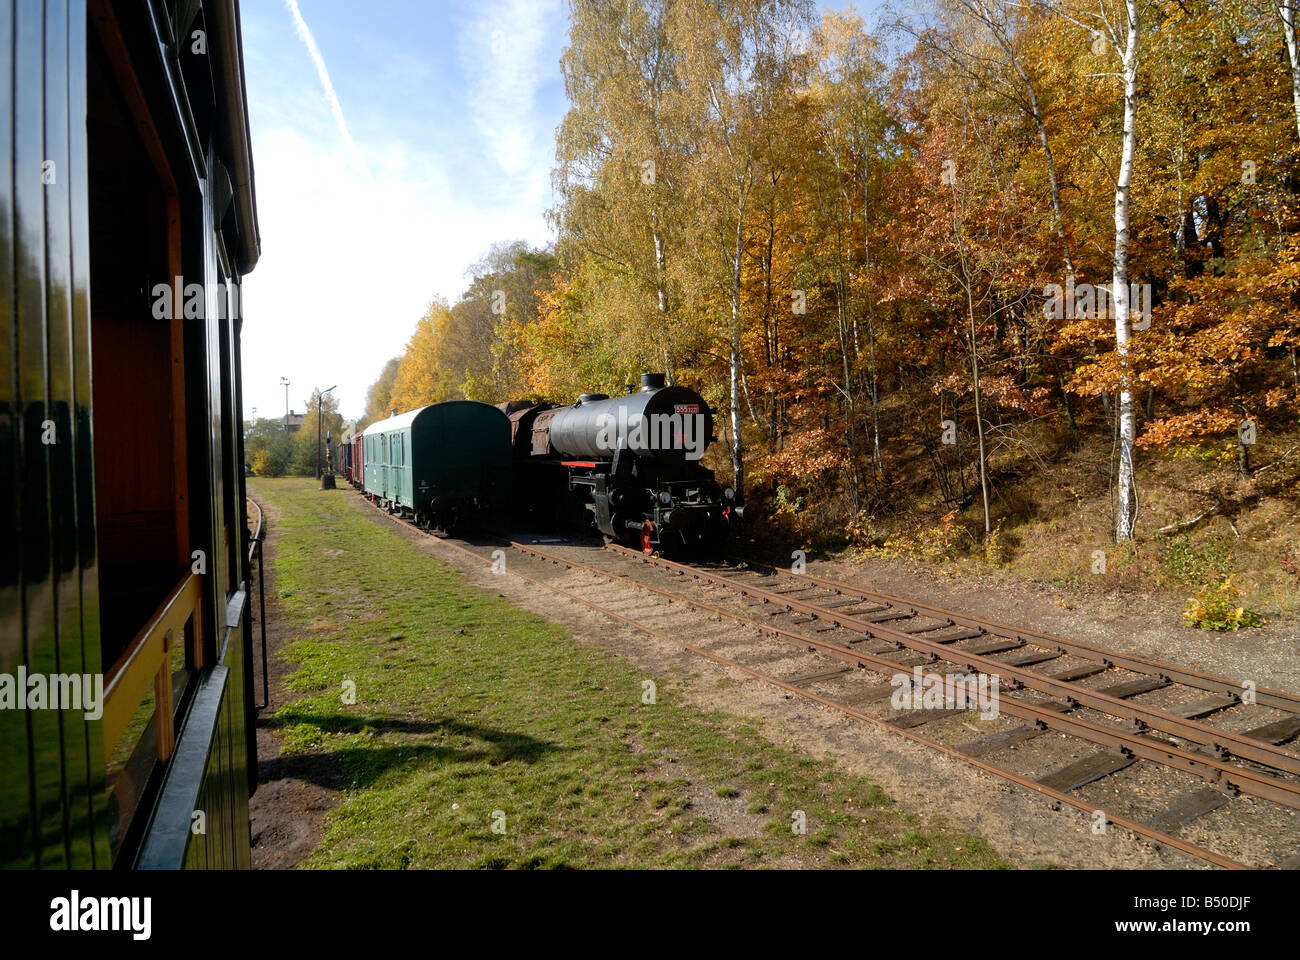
<point x="128" y="221"/>
<point x="445" y="465"/>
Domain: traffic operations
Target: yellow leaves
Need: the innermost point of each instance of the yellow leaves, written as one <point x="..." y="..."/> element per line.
<point x="261" y="462"/>
<point x="1215" y="607"/>
<point x="422" y="376"/>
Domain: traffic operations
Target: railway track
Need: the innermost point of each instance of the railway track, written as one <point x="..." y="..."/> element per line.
<point x="849" y="645"/>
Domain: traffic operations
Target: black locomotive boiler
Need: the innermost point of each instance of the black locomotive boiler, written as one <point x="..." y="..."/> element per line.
<point x="630" y="466"/>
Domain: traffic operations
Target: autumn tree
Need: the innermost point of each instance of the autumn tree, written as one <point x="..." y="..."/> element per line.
<point x="740" y="67"/>
<point x="853" y="129"/>
<point x="426" y="373"/>
<point x="619" y="163"/>
<point x="380" y="394"/>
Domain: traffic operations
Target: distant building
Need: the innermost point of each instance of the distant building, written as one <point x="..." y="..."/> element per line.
<point x="292" y="422"/>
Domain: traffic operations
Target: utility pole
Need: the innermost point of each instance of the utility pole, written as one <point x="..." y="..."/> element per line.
<point x="320" y="402"/>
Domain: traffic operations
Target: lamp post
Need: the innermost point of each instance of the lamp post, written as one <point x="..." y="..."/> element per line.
<point x="320" y="402"/>
<point x="285" y="382"/>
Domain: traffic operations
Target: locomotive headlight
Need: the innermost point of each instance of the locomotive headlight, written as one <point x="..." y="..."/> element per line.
<point x="665" y="497"/>
<point x="729" y="493"/>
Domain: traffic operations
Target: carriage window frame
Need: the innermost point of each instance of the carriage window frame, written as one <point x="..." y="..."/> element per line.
<point x="166" y="646"/>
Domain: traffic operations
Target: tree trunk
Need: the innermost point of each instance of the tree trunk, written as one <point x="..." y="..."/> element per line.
<point x="1126" y="513"/>
<point x="979" y="413"/>
<point x="659" y="273"/>
<point x="1295" y="371"/>
<point x="1052" y="183"/>
<point x="737" y="447"/>
<point x="663" y="294"/>
<point x="876" y="456"/>
<point x="1288" y="14"/>
<point x="1060" y="380"/>
<point x="850" y="409"/>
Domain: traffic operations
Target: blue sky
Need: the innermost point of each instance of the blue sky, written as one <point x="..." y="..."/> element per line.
<point x="393" y="142"/>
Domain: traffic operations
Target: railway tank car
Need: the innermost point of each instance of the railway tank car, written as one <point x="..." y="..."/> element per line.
<point x="446" y="465"/>
<point x="632" y="465"/>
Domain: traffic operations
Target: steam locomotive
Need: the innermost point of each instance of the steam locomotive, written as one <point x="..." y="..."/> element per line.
<point x="628" y="466"/>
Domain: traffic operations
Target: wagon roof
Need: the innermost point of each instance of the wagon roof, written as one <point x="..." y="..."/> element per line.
<point x="393" y="423"/>
<point x="406" y="419"/>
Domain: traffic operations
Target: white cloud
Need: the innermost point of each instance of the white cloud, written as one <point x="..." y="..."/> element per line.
<point x="508" y="49"/>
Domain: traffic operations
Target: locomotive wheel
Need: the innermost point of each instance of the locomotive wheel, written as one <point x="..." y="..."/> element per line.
<point x="647" y="530"/>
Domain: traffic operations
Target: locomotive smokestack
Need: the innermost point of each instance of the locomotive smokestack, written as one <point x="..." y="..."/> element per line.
<point x="652" y="381"/>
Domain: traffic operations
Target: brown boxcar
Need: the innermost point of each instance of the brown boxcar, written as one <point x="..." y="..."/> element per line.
<point x="357" y="462"/>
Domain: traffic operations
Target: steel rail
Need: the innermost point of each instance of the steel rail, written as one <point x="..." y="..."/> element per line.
<point x="1201" y="853"/>
<point x="255" y="546"/>
<point x="1209" y="768"/>
<point x="1277" y="699"/>
<point x="1220" y="742"/>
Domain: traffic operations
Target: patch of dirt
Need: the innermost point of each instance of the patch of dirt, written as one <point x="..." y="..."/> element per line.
<point x="293" y="793"/>
<point x="728" y="814"/>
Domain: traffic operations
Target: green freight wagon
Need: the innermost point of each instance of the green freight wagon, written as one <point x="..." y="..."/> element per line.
<point x="443" y="465"/>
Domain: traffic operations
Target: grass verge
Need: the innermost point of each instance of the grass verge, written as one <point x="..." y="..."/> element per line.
<point x="483" y="736"/>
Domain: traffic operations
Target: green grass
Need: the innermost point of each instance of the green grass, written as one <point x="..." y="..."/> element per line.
<point x="469" y="710"/>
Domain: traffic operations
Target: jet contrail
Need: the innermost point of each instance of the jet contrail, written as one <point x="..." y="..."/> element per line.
<point x="304" y="33"/>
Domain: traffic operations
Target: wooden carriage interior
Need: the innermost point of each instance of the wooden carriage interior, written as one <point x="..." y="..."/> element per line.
<point x="125" y="171"/>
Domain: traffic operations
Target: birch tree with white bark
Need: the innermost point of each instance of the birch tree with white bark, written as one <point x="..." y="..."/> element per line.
<point x="1116" y="31"/>
<point x="1287" y="12"/>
